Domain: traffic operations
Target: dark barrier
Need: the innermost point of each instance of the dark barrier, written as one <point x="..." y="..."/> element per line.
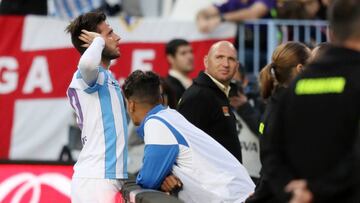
<point x="133" y="193"/>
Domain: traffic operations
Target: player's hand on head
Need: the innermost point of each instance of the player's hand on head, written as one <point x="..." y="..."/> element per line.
<point x="87" y="37"/>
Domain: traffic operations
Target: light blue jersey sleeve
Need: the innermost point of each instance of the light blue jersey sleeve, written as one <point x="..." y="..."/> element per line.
<point x="157" y="164"/>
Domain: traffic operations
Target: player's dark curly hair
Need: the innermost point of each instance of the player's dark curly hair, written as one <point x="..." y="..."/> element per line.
<point x="87" y="21"/>
<point x="143" y="87"/>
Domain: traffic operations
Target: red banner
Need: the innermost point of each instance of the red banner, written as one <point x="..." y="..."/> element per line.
<point x="35" y="183"/>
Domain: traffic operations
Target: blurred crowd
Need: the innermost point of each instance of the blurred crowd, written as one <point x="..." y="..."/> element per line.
<point x="67" y="9"/>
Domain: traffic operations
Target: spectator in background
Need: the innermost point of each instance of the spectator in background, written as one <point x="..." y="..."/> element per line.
<point x="233" y="11"/>
<point x="180" y="56"/>
<point x="288" y="61"/>
<point x="97" y="100"/>
<point x="208" y="172"/>
<point x="247" y="120"/>
<point x="65" y="9"/>
<point x="289" y="9"/>
<point x="250" y="89"/>
<point x="314" y="150"/>
<point x="319" y="50"/>
<point x="206" y="104"/>
<point x="321" y="13"/>
<point x="70" y="9"/>
<point x="236" y="11"/>
<point x="311" y="9"/>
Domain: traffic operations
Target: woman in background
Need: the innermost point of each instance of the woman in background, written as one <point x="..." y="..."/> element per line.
<point x="288" y="60"/>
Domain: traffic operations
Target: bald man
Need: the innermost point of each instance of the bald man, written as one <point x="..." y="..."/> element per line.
<point x="206" y="104"/>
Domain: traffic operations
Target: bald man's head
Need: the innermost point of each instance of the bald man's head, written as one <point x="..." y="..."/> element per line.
<point x="216" y="46"/>
<point x="221" y="62"/>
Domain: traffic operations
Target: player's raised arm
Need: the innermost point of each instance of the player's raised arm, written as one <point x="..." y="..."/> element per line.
<point x="90" y="60"/>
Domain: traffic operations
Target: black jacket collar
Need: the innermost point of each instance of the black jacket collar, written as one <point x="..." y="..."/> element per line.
<point x="204" y="80"/>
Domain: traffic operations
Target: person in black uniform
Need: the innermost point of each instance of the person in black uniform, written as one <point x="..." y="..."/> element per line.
<point x="313" y="153"/>
<point x="181" y="59"/>
<point x="288" y="61"/>
<point x="206" y="104"/>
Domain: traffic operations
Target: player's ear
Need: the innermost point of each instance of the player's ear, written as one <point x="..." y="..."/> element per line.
<point x="131" y="106"/>
<point x="299" y="68"/>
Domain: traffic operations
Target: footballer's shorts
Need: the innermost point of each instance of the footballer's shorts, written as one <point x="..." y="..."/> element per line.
<point x="91" y="190"/>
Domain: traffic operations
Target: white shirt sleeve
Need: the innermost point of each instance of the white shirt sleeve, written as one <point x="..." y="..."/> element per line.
<point x="90" y="60"/>
<point x="157" y="133"/>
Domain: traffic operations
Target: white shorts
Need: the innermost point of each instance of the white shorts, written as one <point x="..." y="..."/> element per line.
<point x="91" y="190"/>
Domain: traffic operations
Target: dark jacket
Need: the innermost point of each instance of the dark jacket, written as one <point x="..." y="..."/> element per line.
<point x="316" y="130"/>
<point x="208" y="108"/>
<point x="176" y="86"/>
<point x="263" y="192"/>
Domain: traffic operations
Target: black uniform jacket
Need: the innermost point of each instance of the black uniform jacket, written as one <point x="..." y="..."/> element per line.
<point x="315" y="134"/>
<point x="208" y="108"/>
<point x="263" y="192"/>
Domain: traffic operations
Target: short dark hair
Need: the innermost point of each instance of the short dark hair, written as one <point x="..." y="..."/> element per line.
<point x="87" y="21"/>
<point x="173" y="45"/>
<point x="143" y="86"/>
<point x="344" y="18"/>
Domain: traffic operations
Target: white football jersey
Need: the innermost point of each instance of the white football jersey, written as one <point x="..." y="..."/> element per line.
<point x="101" y="116"/>
<point x="209" y="172"/>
